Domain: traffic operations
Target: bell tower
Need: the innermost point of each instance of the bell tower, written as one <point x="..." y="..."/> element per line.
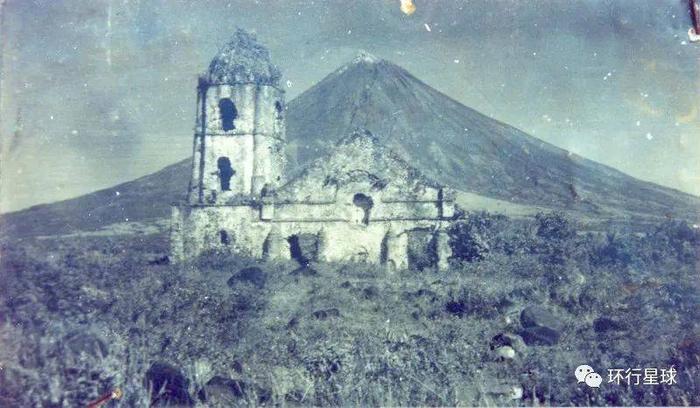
<point x="239" y="128"/>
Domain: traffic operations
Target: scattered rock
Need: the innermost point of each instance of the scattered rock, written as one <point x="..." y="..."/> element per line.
<point x="540" y="336"/>
<point x="421" y="294"/>
<point x="163" y="260"/>
<point x="91" y="345"/>
<point x="604" y="324"/>
<point x="507" y="339"/>
<point x="457" y="308"/>
<point x="511" y="392"/>
<point x="538" y="316"/>
<point x="252" y="275"/>
<point x="293" y="322"/>
<point x="540" y="326"/>
<point x="325" y="314"/>
<point x="222" y="391"/>
<point x="167" y="386"/>
<point x="226" y="392"/>
<point x="505" y="352"/>
<point x="304" y="270"/>
<point x="370" y="292"/>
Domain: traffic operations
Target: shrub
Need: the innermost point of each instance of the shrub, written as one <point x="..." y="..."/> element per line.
<point x="554" y="238"/>
<point x="470" y="238"/>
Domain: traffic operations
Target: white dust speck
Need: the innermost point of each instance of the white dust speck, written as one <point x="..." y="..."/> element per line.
<point x="649" y="136"/>
<point x="117" y="193"/>
<point x="456" y="61"/>
<point x="427" y="27"/>
<point x="289" y="84"/>
<point x="638" y="123"/>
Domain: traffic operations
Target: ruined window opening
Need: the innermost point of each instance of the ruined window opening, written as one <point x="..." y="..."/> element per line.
<point x="224" y="238"/>
<point x="278" y="110"/>
<point x="365" y="203"/>
<point x="228" y="114"/>
<point x="303" y="247"/>
<point x="296" y="251"/>
<point x="225" y="172"/>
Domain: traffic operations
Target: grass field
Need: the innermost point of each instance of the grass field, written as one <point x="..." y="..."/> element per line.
<point x="82" y="316"/>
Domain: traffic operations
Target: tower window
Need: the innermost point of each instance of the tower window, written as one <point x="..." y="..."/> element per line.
<point x="365" y="203"/>
<point x="224" y="238"/>
<point x="278" y="110"/>
<point x="228" y="114"/>
<point x="225" y="172"/>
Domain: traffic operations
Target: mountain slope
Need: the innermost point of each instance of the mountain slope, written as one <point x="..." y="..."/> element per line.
<point x="144" y="199"/>
<point x="445" y="140"/>
<point x="460" y="147"/>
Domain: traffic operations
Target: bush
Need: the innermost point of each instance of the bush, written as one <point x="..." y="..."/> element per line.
<point x="470" y="238"/>
<point x="555" y="238"/>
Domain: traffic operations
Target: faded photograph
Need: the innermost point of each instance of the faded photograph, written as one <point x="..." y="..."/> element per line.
<point x="230" y="203"/>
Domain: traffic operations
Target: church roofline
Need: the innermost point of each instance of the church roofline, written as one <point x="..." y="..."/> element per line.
<point x="363" y="134"/>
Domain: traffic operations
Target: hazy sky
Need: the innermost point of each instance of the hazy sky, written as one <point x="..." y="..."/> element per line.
<point x="99" y="92"/>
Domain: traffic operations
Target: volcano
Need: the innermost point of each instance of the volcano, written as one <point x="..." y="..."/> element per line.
<point x="445" y="140"/>
<point x="460" y="147"/>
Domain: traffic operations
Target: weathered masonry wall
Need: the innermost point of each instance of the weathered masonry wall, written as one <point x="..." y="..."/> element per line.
<point x="239" y="229"/>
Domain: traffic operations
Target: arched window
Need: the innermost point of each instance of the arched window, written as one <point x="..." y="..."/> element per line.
<point x="225" y="172"/>
<point x="365" y="203"/>
<point x="228" y="114"/>
<point x="224" y="238"/>
<point x="278" y="110"/>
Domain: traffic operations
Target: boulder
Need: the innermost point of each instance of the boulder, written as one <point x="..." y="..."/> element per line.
<point x="540" y="336"/>
<point x="226" y="392"/>
<point x="605" y="324"/>
<point x="253" y="275"/>
<point x="541" y="327"/>
<point x="325" y="314"/>
<point x="167" y="386"/>
<point x="456" y="307"/>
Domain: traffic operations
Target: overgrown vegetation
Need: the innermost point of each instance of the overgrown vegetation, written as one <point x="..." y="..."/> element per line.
<point x="83" y="316"/>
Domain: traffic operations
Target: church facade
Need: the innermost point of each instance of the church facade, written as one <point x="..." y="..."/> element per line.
<point x="361" y="203"/>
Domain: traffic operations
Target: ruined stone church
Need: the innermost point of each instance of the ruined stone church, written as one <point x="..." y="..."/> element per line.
<point x="361" y="203"/>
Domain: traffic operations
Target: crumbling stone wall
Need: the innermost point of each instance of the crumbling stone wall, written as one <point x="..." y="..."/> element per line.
<point x="380" y="242"/>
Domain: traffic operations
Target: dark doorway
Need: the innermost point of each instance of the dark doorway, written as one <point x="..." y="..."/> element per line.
<point x="365" y="203"/>
<point x="228" y="114"/>
<point x="303" y="248"/>
<point x="224" y="238"/>
<point x="225" y="172"/>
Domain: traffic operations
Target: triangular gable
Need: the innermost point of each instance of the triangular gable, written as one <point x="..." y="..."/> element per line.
<point x="359" y="163"/>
